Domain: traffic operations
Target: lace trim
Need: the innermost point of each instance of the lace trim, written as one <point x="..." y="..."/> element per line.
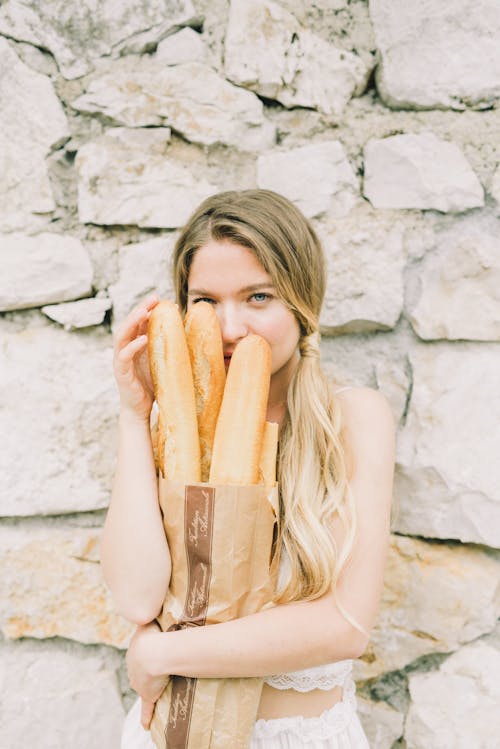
<point x="323" y="677"/>
<point x="330" y="722"/>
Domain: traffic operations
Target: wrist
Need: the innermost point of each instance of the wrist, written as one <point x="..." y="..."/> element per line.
<point x="131" y="418"/>
<point x="157" y="657"/>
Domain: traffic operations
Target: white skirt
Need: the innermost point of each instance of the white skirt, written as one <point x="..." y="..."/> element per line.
<point x="338" y="727"/>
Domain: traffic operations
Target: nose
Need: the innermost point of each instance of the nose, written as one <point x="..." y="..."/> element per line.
<point x="233" y="325"/>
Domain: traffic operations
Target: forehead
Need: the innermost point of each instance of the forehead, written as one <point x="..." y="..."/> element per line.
<point x="223" y="262"/>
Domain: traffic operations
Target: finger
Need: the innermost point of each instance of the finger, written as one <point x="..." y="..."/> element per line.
<point x="129" y="329"/>
<point x="147" y="709"/>
<point x="124" y="357"/>
<point x="151" y="301"/>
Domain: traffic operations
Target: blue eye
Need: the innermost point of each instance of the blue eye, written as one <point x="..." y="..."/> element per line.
<point x="203" y="299"/>
<point x="262" y="297"/>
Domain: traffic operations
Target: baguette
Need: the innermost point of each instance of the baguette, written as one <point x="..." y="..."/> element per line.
<point x="178" y="443"/>
<point x="204" y="342"/>
<point x="269" y="453"/>
<point x="240" y="427"/>
<point x="154" y="443"/>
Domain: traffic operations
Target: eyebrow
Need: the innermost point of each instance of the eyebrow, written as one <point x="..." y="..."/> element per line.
<point x="253" y="287"/>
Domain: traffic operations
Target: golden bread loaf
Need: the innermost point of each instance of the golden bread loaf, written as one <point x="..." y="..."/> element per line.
<point x="204" y="342"/>
<point x="154" y="443"/>
<point x="178" y="442"/>
<point x="269" y="453"/>
<point x="240" y="427"/>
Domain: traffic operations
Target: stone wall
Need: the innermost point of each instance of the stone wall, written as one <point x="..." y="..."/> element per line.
<point x="380" y="122"/>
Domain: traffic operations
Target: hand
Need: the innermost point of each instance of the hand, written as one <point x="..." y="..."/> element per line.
<point x="141" y="655"/>
<point x="131" y="361"/>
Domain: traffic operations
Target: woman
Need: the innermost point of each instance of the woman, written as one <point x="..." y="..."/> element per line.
<point x="255" y="257"/>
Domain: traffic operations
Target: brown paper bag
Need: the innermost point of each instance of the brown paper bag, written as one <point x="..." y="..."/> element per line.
<point x="221" y="540"/>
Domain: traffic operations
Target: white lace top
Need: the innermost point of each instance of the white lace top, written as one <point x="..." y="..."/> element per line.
<point x="331" y="675"/>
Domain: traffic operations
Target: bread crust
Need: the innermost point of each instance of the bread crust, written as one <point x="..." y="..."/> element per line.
<point x="269" y="454"/>
<point x="240" y="427"/>
<point x="178" y="443"/>
<point x="204" y="340"/>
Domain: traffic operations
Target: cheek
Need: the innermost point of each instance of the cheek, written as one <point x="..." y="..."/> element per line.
<point x="281" y="329"/>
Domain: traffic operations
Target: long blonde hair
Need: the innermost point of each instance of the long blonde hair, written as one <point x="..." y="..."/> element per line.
<point x="312" y="470"/>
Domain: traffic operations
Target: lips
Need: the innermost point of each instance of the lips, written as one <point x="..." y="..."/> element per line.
<point x="227" y="356"/>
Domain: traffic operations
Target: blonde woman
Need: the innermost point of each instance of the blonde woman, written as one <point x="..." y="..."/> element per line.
<point x="255" y="257"/>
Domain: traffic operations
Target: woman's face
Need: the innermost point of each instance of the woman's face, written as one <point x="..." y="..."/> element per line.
<point x="231" y="278"/>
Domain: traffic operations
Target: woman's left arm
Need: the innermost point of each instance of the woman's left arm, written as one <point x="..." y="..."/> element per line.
<point x="300" y="634"/>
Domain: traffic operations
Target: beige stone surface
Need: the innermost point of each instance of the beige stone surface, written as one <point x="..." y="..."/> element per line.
<point x="41" y="269"/>
<point x="447" y="478"/>
<point x="437" y="55"/>
<point x="60" y="411"/>
<point x="345" y="23"/>
<point x="495" y="189"/>
<point x="365" y="261"/>
<point x="127" y="177"/>
<point x="317" y="177"/>
<point x="143" y="268"/>
<point x="52" y="586"/>
<point x="78" y="34"/>
<point x="81" y="314"/>
<point x="436" y="598"/>
<point x="189" y="97"/>
<point x="186" y="45"/>
<point x="461" y="273"/>
<point x="56" y="695"/>
<point x="419" y="170"/>
<point x="457" y="705"/>
<point x="382" y="724"/>
<point x="268" y="51"/>
<point x="32" y="123"/>
<point x="394" y="381"/>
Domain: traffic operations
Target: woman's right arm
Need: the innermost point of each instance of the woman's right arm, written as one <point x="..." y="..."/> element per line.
<point x="134" y="552"/>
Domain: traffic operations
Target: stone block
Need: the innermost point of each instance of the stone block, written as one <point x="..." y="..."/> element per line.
<point x="419" y="171"/>
<point x="437" y="55"/>
<point x="268" y="51"/>
<point x="448" y="474"/>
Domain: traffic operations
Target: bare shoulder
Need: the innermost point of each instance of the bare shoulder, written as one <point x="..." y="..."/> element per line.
<point x="368" y="426"/>
<point x="361" y="400"/>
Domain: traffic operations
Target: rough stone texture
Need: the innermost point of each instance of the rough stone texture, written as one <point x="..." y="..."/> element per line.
<point x="457" y="705"/>
<point x="37" y="59"/>
<point x="437" y="55"/>
<point x="58" y="695"/>
<point x="143" y="268"/>
<point x="32" y="122"/>
<point x="61" y="410"/>
<point x="344" y="23"/>
<point x="52" y="586"/>
<point x="81" y="314"/>
<point x="436" y="598"/>
<point x="447" y="454"/>
<point x="42" y="269"/>
<point x="79" y="34"/>
<point x="190" y="97"/>
<point x="127" y="177"/>
<point x="395" y="382"/>
<point x="317" y="177"/>
<point x="419" y="171"/>
<point x="460" y="274"/>
<point x="185" y="46"/>
<point x="365" y="260"/>
<point x="382" y="724"/>
<point x="495" y="189"/>
<point x="268" y="51"/>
